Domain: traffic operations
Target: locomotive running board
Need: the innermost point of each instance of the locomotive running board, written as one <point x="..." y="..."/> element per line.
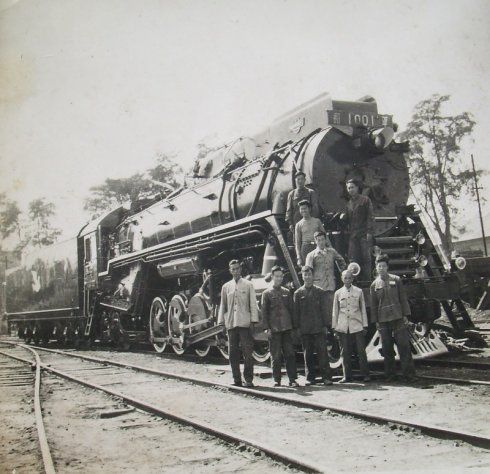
<point x="423" y="347"/>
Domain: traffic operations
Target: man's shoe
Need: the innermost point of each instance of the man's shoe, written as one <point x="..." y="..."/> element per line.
<point x="345" y="380"/>
<point x="327" y="382"/>
<point x="277" y="384"/>
<point x="366" y="379"/>
<point x="248" y="385"/>
<point x="294" y="384"/>
<point x="310" y="382"/>
<point x="237" y="384"/>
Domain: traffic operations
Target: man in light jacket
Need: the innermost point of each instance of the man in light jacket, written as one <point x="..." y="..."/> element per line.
<point x="350" y="323"/>
<point x="238" y="312"/>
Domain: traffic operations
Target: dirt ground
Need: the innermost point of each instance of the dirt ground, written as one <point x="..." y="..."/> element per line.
<point x="337" y="443"/>
<point x="82" y="441"/>
<point x="18" y="436"/>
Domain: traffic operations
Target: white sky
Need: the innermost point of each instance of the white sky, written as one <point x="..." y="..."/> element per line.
<point x="93" y="89"/>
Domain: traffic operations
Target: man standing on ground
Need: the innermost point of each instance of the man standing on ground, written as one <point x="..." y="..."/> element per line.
<point x="389" y="310"/>
<point x="310" y="317"/>
<point x="350" y="323"/>
<point x="277" y="311"/>
<point x="238" y="312"/>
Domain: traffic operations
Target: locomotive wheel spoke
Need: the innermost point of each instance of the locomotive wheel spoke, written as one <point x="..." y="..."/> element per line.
<point x="157" y="324"/>
<point x="176" y="314"/>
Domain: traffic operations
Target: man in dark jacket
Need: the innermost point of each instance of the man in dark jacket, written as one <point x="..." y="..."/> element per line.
<point x="311" y="319"/>
<point x="389" y="310"/>
<point x="300" y="193"/>
<point x="360" y="217"/>
<point x="277" y="311"/>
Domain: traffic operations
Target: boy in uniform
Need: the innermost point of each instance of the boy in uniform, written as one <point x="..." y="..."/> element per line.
<point x="277" y="311"/>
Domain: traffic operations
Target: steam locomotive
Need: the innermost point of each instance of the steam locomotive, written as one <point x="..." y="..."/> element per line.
<point x="153" y="271"/>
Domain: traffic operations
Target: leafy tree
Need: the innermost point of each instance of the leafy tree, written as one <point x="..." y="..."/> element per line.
<point x="40" y="212"/>
<point x="9" y="217"/>
<point x="438" y="178"/>
<point x="162" y="178"/>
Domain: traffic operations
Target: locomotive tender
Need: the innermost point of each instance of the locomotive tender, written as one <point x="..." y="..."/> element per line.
<point x="154" y="271"/>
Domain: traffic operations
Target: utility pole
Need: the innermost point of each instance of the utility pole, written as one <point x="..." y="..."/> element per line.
<point x="477" y="191"/>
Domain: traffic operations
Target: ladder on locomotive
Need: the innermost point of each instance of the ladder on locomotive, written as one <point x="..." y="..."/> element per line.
<point x="90" y="315"/>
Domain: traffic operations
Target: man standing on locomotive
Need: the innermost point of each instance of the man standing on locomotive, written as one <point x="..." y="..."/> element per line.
<point x="323" y="260"/>
<point x="311" y="320"/>
<point x="389" y="310"/>
<point x="360" y="217"/>
<point x="277" y="311"/>
<point x="238" y="312"/>
<point x="304" y="232"/>
<point x="300" y="193"/>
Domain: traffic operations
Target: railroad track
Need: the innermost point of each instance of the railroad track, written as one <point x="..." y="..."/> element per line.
<point x="47" y="458"/>
<point x="450" y="363"/>
<point x="425" y="429"/>
<point x="284" y="458"/>
<point x="426" y="362"/>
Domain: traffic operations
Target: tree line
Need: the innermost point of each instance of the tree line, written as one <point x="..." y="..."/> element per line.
<point x="438" y="180"/>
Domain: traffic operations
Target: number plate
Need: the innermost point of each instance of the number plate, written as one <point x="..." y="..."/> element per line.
<point x="359" y="119"/>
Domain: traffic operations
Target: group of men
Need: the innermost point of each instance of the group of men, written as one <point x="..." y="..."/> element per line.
<point x="317" y="307"/>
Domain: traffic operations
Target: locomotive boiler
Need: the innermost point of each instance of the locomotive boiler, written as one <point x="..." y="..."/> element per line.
<point x="153" y="271"/>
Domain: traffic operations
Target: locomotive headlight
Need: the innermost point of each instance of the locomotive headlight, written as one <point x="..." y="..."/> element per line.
<point x="382" y="137"/>
<point x="420" y="238"/>
<point x="460" y="263"/>
<point x="422" y="260"/>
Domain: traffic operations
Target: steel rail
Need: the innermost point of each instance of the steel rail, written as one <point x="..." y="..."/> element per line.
<point x="227" y="436"/>
<point x="41" y="432"/>
<point x="429" y="430"/>
<point x="452" y="380"/>
<point x="464" y="364"/>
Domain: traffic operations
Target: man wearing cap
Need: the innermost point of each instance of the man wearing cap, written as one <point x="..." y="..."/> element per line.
<point x="277" y="316"/>
<point x="323" y="260"/>
<point x="238" y="311"/>
<point x="360" y="217"/>
<point x="300" y="193"/>
<point x="304" y="240"/>
<point x="311" y="320"/>
<point x="389" y="310"/>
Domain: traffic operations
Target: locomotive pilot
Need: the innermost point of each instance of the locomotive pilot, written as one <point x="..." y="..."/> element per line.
<point x="238" y="311"/>
<point x="350" y="322"/>
<point x="300" y="193"/>
<point x="323" y="260"/>
<point x="360" y="218"/>
<point x="389" y="310"/>
<point x="311" y="319"/>
<point x="304" y="240"/>
<point x="277" y="316"/>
